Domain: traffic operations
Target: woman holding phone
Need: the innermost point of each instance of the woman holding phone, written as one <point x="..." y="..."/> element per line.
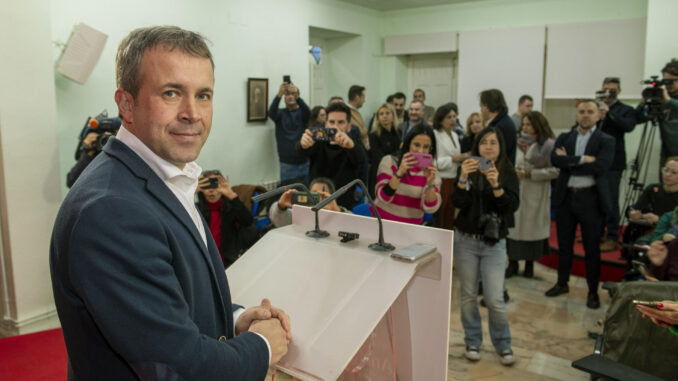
<point x="528" y="240"/>
<point x="486" y="195"/>
<point x="408" y="184"/>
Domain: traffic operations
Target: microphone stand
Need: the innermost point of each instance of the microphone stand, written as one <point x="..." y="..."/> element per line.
<point x="278" y="191"/>
<point x="378" y="246"/>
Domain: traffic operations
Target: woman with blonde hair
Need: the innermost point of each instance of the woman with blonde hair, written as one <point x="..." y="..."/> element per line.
<point x="384" y="139"/>
<point x="474" y="124"/>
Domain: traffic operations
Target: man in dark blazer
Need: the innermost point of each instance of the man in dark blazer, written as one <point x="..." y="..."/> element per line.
<point x="416" y="117"/>
<point x="581" y="195"/>
<point x="619" y="120"/>
<point x="138" y="283"/>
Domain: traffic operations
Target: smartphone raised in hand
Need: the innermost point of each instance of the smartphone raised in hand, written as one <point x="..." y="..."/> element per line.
<point x="286" y="78"/>
<point x="424" y="160"/>
<point x="485" y="163"/>
<point x="213" y="183"/>
<point x="650" y="304"/>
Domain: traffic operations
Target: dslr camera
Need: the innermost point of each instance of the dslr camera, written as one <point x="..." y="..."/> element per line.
<point x="490" y="223"/>
<point x="601" y="95"/>
<point x="322" y="134"/>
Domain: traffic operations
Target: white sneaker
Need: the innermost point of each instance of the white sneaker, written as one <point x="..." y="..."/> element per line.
<point x="506" y="357"/>
<point x="472" y="353"/>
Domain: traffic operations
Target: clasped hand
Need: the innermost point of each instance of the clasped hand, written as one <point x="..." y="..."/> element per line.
<point x="271" y="322"/>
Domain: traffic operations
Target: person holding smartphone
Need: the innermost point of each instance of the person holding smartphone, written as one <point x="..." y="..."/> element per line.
<point x="486" y="199"/>
<point x="229" y="220"/>
<point x="281" y="213"/>
<point x="408" y="184"/>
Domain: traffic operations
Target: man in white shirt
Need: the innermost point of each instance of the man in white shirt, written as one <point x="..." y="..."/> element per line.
<point x="138" y="284"/>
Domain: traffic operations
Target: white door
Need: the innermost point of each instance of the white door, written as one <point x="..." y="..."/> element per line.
<point x="435" y="74"/>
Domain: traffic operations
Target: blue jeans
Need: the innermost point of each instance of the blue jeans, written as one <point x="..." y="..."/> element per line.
<point x="294" y="173"/>
<point x="476" y="260"/>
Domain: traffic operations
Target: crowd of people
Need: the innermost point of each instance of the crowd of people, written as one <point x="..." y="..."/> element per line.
<point x="492" y="179"/>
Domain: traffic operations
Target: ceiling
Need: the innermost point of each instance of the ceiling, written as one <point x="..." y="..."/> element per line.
<point x="386" y="5"/>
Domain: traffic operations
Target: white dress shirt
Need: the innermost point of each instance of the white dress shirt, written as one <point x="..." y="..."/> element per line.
<point x="582" y="181"/>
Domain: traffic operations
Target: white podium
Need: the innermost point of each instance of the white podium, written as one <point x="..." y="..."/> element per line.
<point x="344" y="296"/>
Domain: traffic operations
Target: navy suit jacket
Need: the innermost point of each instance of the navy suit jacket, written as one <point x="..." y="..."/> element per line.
<point x="138" y="294"/>
<point x="600" y="145"/>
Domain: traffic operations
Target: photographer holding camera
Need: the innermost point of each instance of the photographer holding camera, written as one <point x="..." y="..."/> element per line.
<point x="617" y="121"/>
<point x="660" y="102"/>
<point x="486" y="197"/>
<point x="229" y="220"/>
<point x="321" y="187"/>
<point x="93" y="138"/>
<point x="332" y="152"/>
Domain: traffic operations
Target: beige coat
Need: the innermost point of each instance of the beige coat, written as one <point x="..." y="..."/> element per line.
<point x="533" y="217"/>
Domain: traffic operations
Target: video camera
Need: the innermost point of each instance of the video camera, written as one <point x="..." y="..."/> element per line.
<point x="103" y="126"/>
<point x="654" y="95"/>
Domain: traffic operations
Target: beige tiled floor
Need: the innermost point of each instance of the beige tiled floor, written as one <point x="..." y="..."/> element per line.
<point x="547" y="333"/>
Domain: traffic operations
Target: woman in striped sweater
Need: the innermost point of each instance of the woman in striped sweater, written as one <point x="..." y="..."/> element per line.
<point x="404" y="190"/>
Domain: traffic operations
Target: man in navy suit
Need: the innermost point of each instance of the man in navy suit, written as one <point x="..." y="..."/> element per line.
<point x="138" y="284"/>
<point x="581" y="195"/>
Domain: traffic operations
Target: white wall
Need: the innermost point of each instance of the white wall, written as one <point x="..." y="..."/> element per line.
<point x="29" y="171"/>
<point x="263" y="39"/>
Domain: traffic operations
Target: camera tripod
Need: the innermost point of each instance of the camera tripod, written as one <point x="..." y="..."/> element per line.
<point x="639" y="166"/>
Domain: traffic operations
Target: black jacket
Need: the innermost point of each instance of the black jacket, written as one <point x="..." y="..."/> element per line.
<point x="238" y="231"/>
<point x="620" y="119"/>
<point x="600" y="145"/>
<point x="388" y="143"/>
<point x="471" y="207"/>
<point x="338" y="164"/>
<point x="504" y="123"/>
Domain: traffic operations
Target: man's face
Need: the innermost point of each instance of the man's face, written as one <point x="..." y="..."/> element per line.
<point x="587" y="115"/>
<point x="416" y="111"/>
<point x="337" y="119"/>
<point x="419" y="96"/>
<point x="360" y="100"/>
<point x="399" y="105"/>
<point x="291" y="99"/>
<point x="525" y="107"/>
<point x="611" y="87"/>
<point x="172" y="113"/>
<point x="673" y="87"/>
<point x="485" y="112"/>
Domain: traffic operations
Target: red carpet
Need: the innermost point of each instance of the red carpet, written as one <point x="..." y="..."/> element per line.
<point x="613" y="266"/>
<point x="36" y="356"/>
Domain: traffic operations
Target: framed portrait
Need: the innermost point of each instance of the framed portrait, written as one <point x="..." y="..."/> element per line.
<point x="257" y="97"/>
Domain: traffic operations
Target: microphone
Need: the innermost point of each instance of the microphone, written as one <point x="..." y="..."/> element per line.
<point x="378" y="246"/>
<point x="278" y="191"/>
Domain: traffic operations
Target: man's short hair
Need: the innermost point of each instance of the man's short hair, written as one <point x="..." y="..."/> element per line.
<point x="339" y="107"/>
<point x="420" y="102"/>
<point x="389" y="99"/>
<point x="671" y="67"/>
<point x="612" y="80"/>
<point x="494" y="100"/>
<point x="419" y="90"/>
<point x="355" y="91"/>
<point x="399" y="95"/>
<point x="588" y="100"/>
<point x="524" y="98"/>
<point x="132" y="48"/>
<point x="336" y="97"/>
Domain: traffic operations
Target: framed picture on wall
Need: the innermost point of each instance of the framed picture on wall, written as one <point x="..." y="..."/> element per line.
<point x="257" y="96"/>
